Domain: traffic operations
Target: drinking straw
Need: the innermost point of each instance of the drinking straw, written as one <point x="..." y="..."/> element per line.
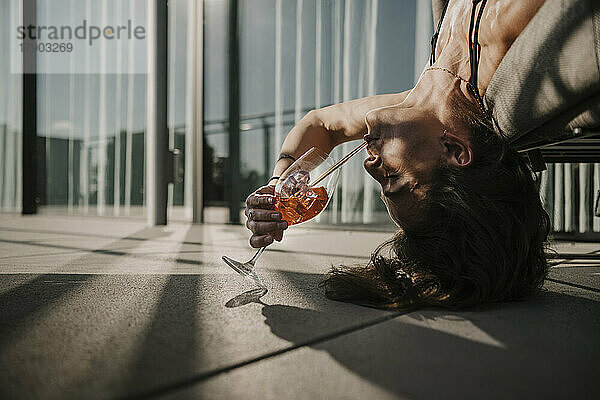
<point x="338" y="164"/>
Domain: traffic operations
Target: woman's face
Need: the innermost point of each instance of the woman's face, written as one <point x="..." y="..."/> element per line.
<point x="405" y="145"/>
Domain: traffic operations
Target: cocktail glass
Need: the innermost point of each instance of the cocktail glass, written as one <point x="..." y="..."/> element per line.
<point x="297" y="200"/>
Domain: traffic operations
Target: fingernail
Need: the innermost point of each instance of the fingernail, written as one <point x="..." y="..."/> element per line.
<point x="282" y="225"/>
<point x="270" y="200"/>
<point x="275" y="216"/>
<point x="269" y="239"/>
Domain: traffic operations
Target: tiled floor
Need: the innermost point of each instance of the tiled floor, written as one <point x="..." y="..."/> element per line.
<point x="94" y="308"/>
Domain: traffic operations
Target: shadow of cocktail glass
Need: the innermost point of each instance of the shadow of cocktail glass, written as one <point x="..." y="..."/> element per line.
<point x="250" y="296"/>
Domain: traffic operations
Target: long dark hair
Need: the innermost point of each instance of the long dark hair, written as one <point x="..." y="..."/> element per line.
<point x="481" y="239"/>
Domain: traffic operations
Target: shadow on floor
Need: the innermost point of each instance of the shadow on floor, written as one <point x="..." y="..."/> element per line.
<point x="168" y="351"/>
<point x="546" y="347"/>
<point x="33" y="296"/>
<point x="29" y="305"/>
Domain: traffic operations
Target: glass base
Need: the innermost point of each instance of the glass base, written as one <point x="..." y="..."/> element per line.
<point x="246" y="270"/>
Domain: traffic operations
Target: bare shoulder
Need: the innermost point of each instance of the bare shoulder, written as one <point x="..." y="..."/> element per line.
<point x="504" y="20"/>
<point x="501" y="21"/>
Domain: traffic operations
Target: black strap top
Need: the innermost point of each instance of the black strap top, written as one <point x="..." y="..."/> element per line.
<point x="474" y="47"/>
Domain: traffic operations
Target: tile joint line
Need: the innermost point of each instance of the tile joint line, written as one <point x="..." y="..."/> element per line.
<point x="211" y="374"/>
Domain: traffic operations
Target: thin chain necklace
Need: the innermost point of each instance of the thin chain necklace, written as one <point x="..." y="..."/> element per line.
<point x="474" y="50"/>
<point x="469" y="84"/>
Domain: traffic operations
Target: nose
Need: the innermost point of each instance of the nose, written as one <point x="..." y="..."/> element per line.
<point x="371" y="120"/>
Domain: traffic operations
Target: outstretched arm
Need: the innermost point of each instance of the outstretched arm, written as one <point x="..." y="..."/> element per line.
<point x="324" y="128"/>
<point x="328" y="127"/>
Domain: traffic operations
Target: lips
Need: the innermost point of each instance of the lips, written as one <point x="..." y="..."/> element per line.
<point x="373" y="161"/>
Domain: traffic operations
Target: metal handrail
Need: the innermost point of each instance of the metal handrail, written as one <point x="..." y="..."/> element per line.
<point x="255" y="116"/>
<point x="247" y="127"/>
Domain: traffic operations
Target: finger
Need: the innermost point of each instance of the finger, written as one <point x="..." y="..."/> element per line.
<point x="257" y="214"/>
<point x="278" y="236"/>
<point x="265" y="190"/>
<point x="263" y="228"/>
<point x="262" y="190"/>
<point x="265" y="201"/>
<point x="260" y="240"/>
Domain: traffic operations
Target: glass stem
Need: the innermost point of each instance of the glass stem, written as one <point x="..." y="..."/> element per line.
<point x="258" y="253"/>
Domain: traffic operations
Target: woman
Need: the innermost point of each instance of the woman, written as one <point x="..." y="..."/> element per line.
<point x="472" y="228"/>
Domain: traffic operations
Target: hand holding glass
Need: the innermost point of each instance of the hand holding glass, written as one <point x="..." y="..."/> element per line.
<point x="297" y="199"/>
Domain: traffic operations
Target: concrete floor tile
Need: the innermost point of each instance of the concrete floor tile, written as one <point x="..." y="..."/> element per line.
<point x="536" y="349"/>
<point x="104" y="307"/>
<point x="588" y="275"/>
<point x="144" y="331"/>
<point x="575" y="247"/>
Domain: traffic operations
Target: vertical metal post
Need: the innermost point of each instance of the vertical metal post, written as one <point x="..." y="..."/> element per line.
<point x="130" y="110"/>
<point x="266" y="149"/>
<point x="118" y="122"/>
<point x="337" y="40"/>
<point x="586" y="198"/>
<point x="596" y="186"/>
<point x="347" y="186"/>
<point x="234" y="115"/>
<point x="29" y="198"/>
<point x="157" y="139"/>
<point x="72" y="91"/>
<point x="4" y="88"/>
<point x="298" y="92"/>
<point x="318" y="44"/>
<point x="194" y="113"/>
<point x="278" y="74"/>
<point x="559" y="197"/>
<point x="547" y="190"/>
<point x="102" y="125"/>
<point x="369" y="184"/>
<point x="568" y="196"/>
<point x="423" y="32"/>
<point x="84" y="169"/>
<point x="171" y="130"/>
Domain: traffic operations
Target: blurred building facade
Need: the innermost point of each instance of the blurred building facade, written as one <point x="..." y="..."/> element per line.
<point x="294" y="55"/>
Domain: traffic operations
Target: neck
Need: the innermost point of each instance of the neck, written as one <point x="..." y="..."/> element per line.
<point x="439" y="91"/>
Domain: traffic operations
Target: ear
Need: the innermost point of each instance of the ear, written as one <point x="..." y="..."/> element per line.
<point x="457" y="150"/>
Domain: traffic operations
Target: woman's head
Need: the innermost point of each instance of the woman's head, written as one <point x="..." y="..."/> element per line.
<point x="473" y="229"/>
<point x="407" y="143"/>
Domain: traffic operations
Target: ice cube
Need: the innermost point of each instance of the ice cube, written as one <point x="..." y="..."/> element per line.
<point x="287" y="187"/>
<point x="301" y="176"/>
<point x="296" y="182"/>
